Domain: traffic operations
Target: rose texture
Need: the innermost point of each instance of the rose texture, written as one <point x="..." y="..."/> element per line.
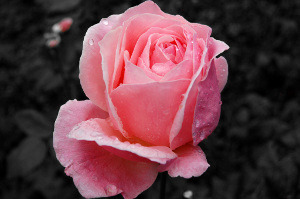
<point x="153" y="83"/>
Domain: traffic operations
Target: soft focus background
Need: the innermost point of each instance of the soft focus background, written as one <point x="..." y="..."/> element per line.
<point x="253" y="153"/>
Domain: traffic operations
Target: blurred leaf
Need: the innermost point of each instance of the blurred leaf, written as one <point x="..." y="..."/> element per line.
<point x="48" y="80"/>
<point x="33" y="123"/>
<point x="26" y="157"/>
<point x="58" y="5"/>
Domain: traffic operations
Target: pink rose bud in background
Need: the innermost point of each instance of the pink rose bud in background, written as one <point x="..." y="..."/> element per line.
<point x="52" y="39"/>
<point x="62" y="26"/>
<point x="153" y="81"/>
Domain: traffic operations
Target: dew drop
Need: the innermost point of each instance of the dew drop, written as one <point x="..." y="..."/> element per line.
<point x="111" y="190"/>
<point x="105" y="22"/>
<point x="91" y="42"/>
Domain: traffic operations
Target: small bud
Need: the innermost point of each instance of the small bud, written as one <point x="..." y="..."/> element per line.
<point x="62" y="26"/>
<point x="53" y="42"/>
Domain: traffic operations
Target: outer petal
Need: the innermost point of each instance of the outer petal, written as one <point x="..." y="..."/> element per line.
<point x="91" y="77"/>
<point x="97" y="172"/>
<point x="191" y="162"/>
<point x="181" y="131"/>
<point x="222" y="71"/>
<point x="70" y="114"/>
<point x="208" y="107"/>
<point x="215" y="47"/>
<point x="147" y="110"/>
<point x="103" y="134"/>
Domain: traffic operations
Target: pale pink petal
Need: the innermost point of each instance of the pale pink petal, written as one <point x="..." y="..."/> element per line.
<point x="145" y="7"/>
<point x="103" y="134"/>
<point x="158" y="56"/>
<point x="91" y="77"/>
<point x="148" y="70"/>
<point x="191" y="161"/>
<point x="215" y="47"/>
<point x="208" y="107"/>
<point x="132" y="29"/>
<point x="70" y="114"/>
<point x="183" y="70"/>
<point x="162" y="68"/>
<point x="222" y="71"/>
<point x="134" y="74"/>
<point x="203" y="31"/>
<point x="108" y="57"/>
<point x="159" y="28"/>
<point x="147" y="110"/>
<point x="97" y="172"/>
<point x="108" y="46"/>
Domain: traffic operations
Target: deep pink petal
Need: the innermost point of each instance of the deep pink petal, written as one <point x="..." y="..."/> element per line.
<point x="103" y="134"/>
<point x="208" y="107"/>
<point x="191" y="161"/>
<point x="181" y="131"/>
<point x="96" y="171"/>
<point x="147" y="110"/>
<point x="221" y="71"/>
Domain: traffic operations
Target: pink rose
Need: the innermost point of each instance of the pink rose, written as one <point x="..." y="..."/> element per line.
<point x="154" y="86"/>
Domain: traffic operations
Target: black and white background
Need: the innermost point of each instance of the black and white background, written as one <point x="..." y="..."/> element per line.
<point x="254" y="152"/>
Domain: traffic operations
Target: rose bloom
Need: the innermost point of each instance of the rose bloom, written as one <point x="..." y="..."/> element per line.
<point x="153" y="83"/>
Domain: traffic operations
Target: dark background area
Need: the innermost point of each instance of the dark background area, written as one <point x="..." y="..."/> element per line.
<point x="253" y="153"/>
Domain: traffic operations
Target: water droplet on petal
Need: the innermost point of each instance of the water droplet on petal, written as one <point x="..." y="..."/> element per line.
<point x="105" y="22"/>
<point x="91" y="42"/>
<point x="111" y="190"/>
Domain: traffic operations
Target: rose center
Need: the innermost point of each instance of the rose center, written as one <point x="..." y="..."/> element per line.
<point x="166" y="55"/>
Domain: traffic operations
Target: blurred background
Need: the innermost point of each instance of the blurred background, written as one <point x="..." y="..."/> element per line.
<point x="253" y="153"/>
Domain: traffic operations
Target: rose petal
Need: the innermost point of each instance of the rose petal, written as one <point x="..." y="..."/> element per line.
<point x="208" y="107"/>
<point x="190" y="162"/>
<point x="181" y="131"/>
<point x="131" y="31"/>
<point x="147" y="110"/>
<point x="134" y="74"/>
<point x="97" y="172"/>
<point x="222" y="71"/>
<point x="108" y="46"/>
<point x="90" y="66"/>
<point x="183" y="70"/>
<point x="215" y="47"/>
<point x="70" y="114"/>
<point x="103" y="134"/>
<point x="143" y="39"/>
